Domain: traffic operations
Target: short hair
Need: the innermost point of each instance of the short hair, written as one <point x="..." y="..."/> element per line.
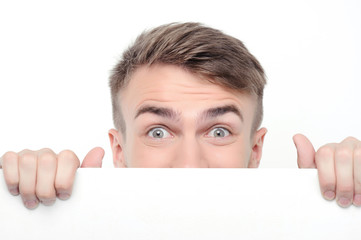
<point x="201" y="50"/>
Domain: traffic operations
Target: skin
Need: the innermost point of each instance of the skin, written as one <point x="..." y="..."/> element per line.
<point x="188" y="136"/>
<point x="175" y="101"/>
<point x="338" y="165"/>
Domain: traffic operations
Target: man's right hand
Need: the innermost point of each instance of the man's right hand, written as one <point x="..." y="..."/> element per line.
<point x="43" y="175"/>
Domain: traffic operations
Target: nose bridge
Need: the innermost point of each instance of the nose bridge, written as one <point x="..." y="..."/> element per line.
<point x="189" y="153"/>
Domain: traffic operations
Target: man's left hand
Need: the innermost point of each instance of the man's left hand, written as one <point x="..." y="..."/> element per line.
<point x="338" y="165"/>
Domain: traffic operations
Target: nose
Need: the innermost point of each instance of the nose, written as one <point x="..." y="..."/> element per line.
<point x="189" y="154"/>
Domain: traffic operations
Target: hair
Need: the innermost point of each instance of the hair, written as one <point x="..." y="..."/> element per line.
<point x="204" y="51"/>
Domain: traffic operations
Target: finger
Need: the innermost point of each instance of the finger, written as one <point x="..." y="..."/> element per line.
<point x="344" y="172"/>
<point x="68" y="163"/>
<point x="11" y="172"/>
<point x="94" y="158"/>
<point x="45" y="190"/>
<point x="305" y="152"/>
<point x="357" y="175"/>
<point x="326" y="170"/>
<point x="27" y="178"/>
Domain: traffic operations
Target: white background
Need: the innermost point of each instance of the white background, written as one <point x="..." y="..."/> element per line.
<point x="55" y="59"/>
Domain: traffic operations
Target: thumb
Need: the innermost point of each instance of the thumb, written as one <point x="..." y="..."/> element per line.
<point x="305" y="152"/>
<point x="94" y="158"/>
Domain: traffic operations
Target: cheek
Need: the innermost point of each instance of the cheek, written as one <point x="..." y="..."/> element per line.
<point x="230" y="156"/>
<point x="143" y="156"/>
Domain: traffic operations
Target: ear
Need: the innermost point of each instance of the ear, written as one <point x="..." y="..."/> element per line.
<point x="257" y="145"/>
<point x="116" y="143"/>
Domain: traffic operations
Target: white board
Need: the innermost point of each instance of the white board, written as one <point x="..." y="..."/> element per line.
<point x="184" y="204"/>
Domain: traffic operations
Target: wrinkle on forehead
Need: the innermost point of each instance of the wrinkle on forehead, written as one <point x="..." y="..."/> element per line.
<point x="172" y="90"/>
<point x="171" y="84"/>
<point x="175" y="92"/>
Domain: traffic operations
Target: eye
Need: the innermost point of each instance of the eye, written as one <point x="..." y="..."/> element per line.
<point x="158" y="133"/>
<point x="218" y="132"/>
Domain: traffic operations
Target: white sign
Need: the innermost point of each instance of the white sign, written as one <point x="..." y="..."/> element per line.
<point x="184" y="204"/>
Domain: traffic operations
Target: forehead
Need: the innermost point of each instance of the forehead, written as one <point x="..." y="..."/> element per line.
<point x="175" y="87"/>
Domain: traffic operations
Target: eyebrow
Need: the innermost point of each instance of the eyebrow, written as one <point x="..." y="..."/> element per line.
<point x="173" y="115"/>
<point x="159" y="111"/>
<point x="219" y="111"/>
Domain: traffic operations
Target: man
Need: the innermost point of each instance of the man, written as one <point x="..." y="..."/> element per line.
<point x="184" y="95"/>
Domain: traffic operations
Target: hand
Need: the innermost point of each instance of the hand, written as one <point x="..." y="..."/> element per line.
<point x="41" y="176"/>
<point x="338" y="165"/>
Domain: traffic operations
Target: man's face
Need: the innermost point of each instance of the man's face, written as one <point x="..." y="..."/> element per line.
<point x="176" y="119"/>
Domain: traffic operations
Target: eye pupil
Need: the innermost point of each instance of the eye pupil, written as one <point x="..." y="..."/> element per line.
<point x="158" y="134"/>
<point x="219" y="133"/>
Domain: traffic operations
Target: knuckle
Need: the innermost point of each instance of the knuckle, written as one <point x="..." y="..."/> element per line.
<point x="46" y="150"/>
<point x="9" y="157"/>
<point x="27" y="159"/>
<point x="343" y="154"/>
<point x="46" y="157"/>
<point x="67" y="153"/>
<point x="325" y="152"/>
<point x="350" y="139"/>
<point x="69" y="156"/>
<point x="25" y="151"/>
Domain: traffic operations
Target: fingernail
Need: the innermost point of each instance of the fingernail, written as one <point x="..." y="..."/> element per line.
<point x="48" y="202"/>
<point x="14" y="191"/>
<point x="31" y="204"/>
<point x="329" y="195"/>
<point x="344" y="202"/>
<point x="357" y="200"/>
<point x="63" y="196"/>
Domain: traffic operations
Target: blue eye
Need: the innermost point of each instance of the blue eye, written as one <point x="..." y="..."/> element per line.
<point x="158" y="133"/>
<point x="218" y="132"/>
